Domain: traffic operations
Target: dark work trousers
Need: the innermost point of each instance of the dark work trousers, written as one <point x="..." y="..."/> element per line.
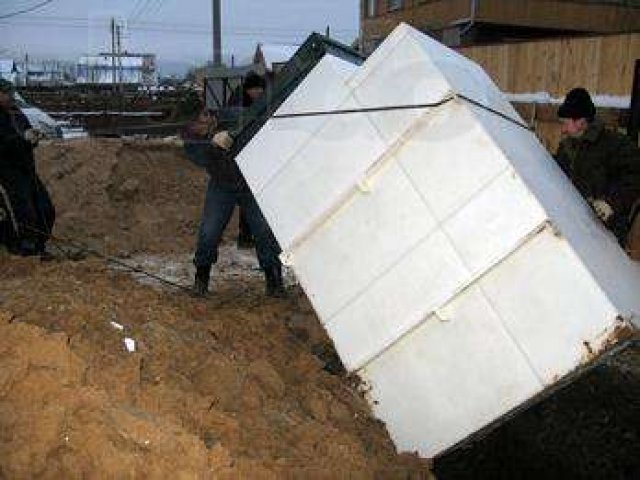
<point x="33" y="211"/>
<point x="218" y="209"/>
<point x="244" y="232"/>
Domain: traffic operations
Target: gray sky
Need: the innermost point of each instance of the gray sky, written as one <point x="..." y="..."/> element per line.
<point x="177" y="31"/>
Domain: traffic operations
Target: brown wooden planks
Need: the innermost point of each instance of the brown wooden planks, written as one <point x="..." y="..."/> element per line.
<point x="602" y="64"/>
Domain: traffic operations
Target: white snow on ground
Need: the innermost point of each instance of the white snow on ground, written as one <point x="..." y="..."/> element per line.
<point x="233" y="264"/>
<point x="603" y="101"/>
<point x="130" y="344"/>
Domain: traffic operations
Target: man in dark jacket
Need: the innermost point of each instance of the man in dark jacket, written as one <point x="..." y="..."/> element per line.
<point x="226" y="190"/>
<point x="253" y="87"/>
<point x="603" y="165"/>
<point x="28" y="211"/>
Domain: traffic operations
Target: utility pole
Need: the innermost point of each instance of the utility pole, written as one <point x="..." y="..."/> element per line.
<point x="113" y="54"/>
<point x="119" y="53"/>
<point x="217" y="33"/>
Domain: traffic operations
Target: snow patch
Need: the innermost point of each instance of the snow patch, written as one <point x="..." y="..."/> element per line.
<point x="130" y="344"/>
<point x="117" y="326"/>
<point x="602" y="101"/>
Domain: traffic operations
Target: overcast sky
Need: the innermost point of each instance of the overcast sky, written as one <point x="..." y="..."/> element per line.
<point x="176" y="30"/>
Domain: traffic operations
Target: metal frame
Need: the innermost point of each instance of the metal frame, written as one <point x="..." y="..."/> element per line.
<point x="304" y="60"/>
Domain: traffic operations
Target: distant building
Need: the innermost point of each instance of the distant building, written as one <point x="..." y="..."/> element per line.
<point x="9" y="70"/>
<point x="43" y="74"/>
<point x="130" y="69"/>
<point x="470" y="22"/>
<point x="272" y="58"/>
<point x="223" y="84"/>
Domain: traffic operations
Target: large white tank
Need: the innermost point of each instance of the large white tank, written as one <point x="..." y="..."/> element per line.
<point x="455" y="267"/>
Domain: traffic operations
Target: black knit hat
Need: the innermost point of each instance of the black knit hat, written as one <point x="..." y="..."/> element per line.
<point x="6" y="86"/>
<point x="577" y="104"/>
<point x="253" y="80"/>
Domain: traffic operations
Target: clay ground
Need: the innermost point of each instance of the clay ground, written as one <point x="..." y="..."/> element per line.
<point x="235" y="386"/>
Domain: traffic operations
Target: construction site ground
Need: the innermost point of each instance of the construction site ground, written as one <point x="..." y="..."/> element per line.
<point x="109" y="374"/>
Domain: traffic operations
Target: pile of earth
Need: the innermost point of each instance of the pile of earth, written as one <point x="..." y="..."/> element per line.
<point x="105" y="376"/>
<point x="123" y="197"/>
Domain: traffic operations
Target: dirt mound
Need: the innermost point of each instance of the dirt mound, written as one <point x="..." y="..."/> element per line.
<point x="233" y="387"/>
<point x="103" y="375"/>
<point x="124" y="197"/>
<point x="55" y="424"/>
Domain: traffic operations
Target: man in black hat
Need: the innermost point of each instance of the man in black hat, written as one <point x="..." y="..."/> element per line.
<point x="253" y="87"/>
<point x="28" y="212"/>
<point x="603" y="165"/>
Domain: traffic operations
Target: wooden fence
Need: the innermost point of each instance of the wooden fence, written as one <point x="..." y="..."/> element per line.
<point x="604" y="65"/>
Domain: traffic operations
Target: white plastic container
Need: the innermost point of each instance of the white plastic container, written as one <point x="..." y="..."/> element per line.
<point x="457" y="270"/>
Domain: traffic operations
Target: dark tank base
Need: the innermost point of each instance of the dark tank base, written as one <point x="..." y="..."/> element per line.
<point x="586" y="428"/>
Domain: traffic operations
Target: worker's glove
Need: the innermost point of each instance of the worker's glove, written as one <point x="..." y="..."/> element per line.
<point x="602" y="209"/>
<point x="34" y="136"/>
<point x="223" y="140"/>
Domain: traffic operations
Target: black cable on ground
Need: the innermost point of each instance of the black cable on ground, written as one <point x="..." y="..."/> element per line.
<point x="83" y="248"/>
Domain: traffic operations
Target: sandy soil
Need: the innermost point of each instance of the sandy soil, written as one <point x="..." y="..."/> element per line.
<point x="124" y="197"/>
<point x="235" y="386"/>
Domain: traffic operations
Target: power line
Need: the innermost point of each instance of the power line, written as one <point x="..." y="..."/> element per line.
<point x="276" y="35"/>
<point x="135" y="8"/>
<point x="158" y="8"/>
<point x="197" y="26"/>
<point x="151" y="7"/>
<point x="144" y="4"/>
<point x="176" y="28"/>
<point x="26" y="10"/>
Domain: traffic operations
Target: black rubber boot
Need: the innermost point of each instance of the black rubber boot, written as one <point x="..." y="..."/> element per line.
<point x="201" y="284"/>
<point x="28" y="248"/>
<point x="47" y="256"/>
<point x="274" y="283"/>
<point x="245" y="242"/>
<point x="245" y="238"/>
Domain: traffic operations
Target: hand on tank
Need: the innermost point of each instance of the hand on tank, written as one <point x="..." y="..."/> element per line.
<point x="33" y="135"/>
<point x="223" y="140"/>
<point x="602" y="209"/>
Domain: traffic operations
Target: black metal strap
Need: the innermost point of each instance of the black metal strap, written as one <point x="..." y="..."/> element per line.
<point x="350" y="111"/>
<point x="418" y="106"/>
<point x="496" y="112"/>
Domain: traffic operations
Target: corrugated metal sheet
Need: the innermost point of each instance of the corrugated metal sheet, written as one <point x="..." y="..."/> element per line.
<point x="298" y="67"/>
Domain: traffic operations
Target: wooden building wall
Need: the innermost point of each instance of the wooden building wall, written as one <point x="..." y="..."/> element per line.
<point x="604" y="65"/>
<point x="562" y="15"/>
<point x="576" y="15"/>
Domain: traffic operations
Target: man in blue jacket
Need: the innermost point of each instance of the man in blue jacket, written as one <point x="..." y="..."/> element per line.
<point x="227" y="188"/>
